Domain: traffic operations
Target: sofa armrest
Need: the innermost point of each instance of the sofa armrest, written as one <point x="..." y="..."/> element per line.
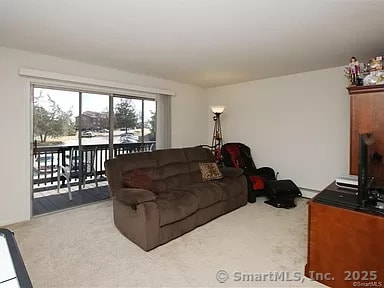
<point x="112" y="171"/>
<point x="139" y="223"/>
<point x="231" y="172"/>
<point x="134" y="196"/>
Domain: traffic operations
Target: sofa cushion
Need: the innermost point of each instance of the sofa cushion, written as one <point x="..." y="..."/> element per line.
<point x="134" y="196"/>
<point x="231" y="172"/>
<point x="175" y="205"/>
<point x="208" y="193"/>
<point x="146" y="163"/>
<point x="169" y="156"/>
<point x="128" y="162"/>
<point x="173" y="167"/>
<point x="194" y="172"/>
<point x="195" y="156"/>
<point x="198" y="154"/>
<point x="230" y="187"/>
<point x="210" y="171"/>
<point x="137" y="179"/>
<point x="177" y="181"/>
<point x="145" y="178"/>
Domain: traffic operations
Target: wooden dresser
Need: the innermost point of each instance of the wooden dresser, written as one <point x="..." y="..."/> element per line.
<point x="345" y="247"/>
<point x="367" y="115"/>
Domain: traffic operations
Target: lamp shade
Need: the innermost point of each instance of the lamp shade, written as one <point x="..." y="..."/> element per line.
<point x="217" y="109"/>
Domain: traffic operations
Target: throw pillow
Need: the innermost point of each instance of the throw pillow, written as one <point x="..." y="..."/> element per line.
<point x="210" y="171"/>
<point x="137" y="179"/>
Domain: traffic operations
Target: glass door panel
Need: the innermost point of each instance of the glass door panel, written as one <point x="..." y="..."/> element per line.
<point x="126" y="124"/>
<point x="94" y="127"/>
<point x="74" y="133"/>
<point x="150" y="122"/>
<point x="54" y="131"/>
<point x="70" y="146"/>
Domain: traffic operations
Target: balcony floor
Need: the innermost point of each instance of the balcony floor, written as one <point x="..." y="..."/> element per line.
<point x="51" y="200"/>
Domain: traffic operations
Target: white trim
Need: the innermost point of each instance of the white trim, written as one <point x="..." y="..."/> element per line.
<point x="163" y="123"/>
<point x="46" y="75"/>
<point x="308" y="193"/>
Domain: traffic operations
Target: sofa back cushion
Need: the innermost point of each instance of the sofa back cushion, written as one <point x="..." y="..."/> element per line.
<point x="195" y="156"/>
<point x="173" y="167"/>
<point x="137" y="179"/>
<point x="166" y="169"/>
<point x="136" y="168"/>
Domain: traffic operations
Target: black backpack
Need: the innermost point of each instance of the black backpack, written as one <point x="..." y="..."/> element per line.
<point x="282" y="193"/>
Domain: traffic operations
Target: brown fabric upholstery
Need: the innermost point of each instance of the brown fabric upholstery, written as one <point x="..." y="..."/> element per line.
<point x="175" y="205"/>
<point x="173" y="167"/>
<point x="174" y="230"/>
<point x="176" y="201"/>
<point x="230" y="187"/>
<point x="207" y="193"/>
<point x="231" y="172"/>
<point x="169" y="156"/>
<point x="113" y="173"/>
<point x="134" y="195"/>
<point x="146" y="164"/>
<point x="141" y="226"/>
<point x="128" y="162"/>
<point x="206" y="214"/>
<point x="195" y="156"/>
<point x="137" y="179"/>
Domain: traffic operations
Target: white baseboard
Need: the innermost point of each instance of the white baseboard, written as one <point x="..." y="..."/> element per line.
<point x="308" y="193"/>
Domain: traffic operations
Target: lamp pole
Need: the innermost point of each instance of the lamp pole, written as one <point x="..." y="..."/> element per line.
<point x="217" y="137"/>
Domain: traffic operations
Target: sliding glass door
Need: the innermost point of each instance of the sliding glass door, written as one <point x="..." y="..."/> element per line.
<point x="134" y="125"/>
<point x="74" y="133"/>
<point x="70" y="140"/>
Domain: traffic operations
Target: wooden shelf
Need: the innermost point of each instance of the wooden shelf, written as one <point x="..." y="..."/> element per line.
<point x="365" y="89"/>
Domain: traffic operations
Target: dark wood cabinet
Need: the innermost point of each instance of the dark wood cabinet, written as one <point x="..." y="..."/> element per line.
<point x="345" y="247"/>
<point x="367" y="115"/>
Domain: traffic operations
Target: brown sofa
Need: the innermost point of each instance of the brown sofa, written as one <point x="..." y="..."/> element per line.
<point x="179" y="199"/>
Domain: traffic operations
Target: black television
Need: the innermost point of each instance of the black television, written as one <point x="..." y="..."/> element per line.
<point x="365" y="177"/>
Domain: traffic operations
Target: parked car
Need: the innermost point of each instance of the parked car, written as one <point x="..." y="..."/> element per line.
<point x="128" y="138"/>
<point x="88" y="134"/>
<point x="131" y="135"/>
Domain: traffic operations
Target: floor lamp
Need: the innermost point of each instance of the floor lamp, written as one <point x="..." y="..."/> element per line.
<point x="217" y="137"/>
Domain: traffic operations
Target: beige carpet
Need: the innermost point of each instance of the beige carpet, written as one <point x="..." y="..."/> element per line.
<point x="82" y="248"/>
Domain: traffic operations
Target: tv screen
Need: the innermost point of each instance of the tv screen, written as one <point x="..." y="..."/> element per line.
<point x="365" y="179"/>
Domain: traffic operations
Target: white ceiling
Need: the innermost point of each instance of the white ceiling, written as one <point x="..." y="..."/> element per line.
<point x="202" y="42"/>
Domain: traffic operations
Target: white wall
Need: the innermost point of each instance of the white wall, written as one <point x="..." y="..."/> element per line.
<point x="15" y="113"/>
<point x="297" y="124"/>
